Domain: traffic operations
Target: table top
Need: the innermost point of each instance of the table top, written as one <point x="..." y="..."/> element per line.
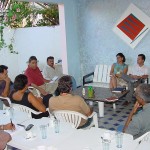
<point x="100" y="94"/>
<point x="67" y="139"/>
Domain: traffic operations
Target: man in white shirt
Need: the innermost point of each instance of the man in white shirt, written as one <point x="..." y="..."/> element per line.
<point x="138" y="75"/>
<point x="54" y="72"/>
<point x="50" y="70"/>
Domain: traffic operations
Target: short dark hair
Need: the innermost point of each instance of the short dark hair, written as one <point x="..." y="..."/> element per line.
<point x="143" y="56"/>
<point x="2" y="68"/>
<point x="20" y="82"/>
<point x="121" y="55"/>
<point x="143" y="91"/>
<point x="32" y="58"/>
<point x="50" y="57"/>
<point x="65" y="84"/>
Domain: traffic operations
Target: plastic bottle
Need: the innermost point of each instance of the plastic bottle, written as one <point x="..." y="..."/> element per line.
<point x="83" y="91"/>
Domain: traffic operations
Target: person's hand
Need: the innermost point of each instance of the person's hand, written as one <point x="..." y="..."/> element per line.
<point x="136" y="106"/>
<point x="118" y="75"/>
<point x="7" y="79"/>
<point x="43" y="92"/>
<point x="9" y="126"/>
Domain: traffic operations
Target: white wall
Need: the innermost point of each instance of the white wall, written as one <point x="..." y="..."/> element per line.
<point x="98" y="43"/>
<point x="38" y="41"/>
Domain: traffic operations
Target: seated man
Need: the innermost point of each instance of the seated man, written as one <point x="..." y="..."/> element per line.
<point x="36" y="79"/>
<point x="138" y="75"/>
<point x="140" y="123"/>
<point x="4" y="81"/>
<point x="4" y="136"/>
<point x="67" y="101"/>
<point x="51" y="70"/>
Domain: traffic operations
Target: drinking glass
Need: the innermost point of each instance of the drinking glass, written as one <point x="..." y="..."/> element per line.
<point x="56" y="125"/>
<point x="11" y="113"/>
<point x="119" y="139"/>
<point x="105" y="144"/>
<point x="43" y="129"/>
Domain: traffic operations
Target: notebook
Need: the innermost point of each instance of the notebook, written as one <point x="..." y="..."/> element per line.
<point x="119" y="89"/>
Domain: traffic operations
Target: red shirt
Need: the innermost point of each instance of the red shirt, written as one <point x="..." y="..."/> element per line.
<point x="34" y="76"/>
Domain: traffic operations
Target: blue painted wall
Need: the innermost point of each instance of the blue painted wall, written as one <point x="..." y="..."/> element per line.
<point x="98" y="44"/>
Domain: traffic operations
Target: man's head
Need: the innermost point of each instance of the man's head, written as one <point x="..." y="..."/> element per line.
<point x="143" y="93"/>
<point x="20" y="82"/>
<point x="33" y="62"/>
<point x="50" y="61"/>
<point x="141" y="59"/>
<point x="3" y="72"/>
<point x="65" y="84"/>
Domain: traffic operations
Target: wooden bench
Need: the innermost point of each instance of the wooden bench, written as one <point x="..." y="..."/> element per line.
<point x="100" y="77"/>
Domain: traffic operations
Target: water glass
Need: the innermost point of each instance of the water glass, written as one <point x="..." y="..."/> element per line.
<point x="43" y="129"/>
<point x="11" y="113"/>
<point x="56" y="125"/>
<point x="119" y="139"/>
<point x="105" y="144"/>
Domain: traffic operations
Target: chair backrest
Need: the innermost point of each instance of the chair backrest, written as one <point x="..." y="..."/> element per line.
<point x="36" y="92"/>
<point x="6" y="102"/>
<point x="101" y="73"/>
<point x="25" y="109"/>
<point x="71" y="117"/>
<point x="144" y="137"/>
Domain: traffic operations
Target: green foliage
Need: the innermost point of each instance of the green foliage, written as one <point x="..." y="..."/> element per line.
<point x="27" y="14"/>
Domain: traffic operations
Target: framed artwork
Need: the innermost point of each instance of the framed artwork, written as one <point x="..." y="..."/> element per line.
<point x="132" y="26"/>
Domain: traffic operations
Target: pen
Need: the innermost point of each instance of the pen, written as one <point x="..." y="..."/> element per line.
<point x="11" y="122"/>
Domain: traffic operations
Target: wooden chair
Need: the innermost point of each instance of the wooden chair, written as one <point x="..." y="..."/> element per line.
<point x="74" y="118"/>
<point x="100" y="78"/>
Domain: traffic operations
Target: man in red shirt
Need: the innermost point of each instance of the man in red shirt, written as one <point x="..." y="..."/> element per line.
<point x="35" y="77"/>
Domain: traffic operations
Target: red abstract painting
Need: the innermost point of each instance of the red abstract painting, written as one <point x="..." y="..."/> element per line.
<point x="131" y="26"/>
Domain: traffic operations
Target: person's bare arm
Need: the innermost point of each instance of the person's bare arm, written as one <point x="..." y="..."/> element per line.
<point x="42" y="91"/>
<point x="136" y="106"/>
<point x="46" y="81"/>
<point x="7" y="87"/>
<point x="90" y="112"/>
<point x="125" y="70"/>
<point x="144" y="76"/>
<point x="36" y="103"/>
<point x="112" y="70"/>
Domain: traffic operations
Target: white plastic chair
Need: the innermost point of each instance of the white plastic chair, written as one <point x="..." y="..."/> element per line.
<point x="25" y="109"/>
<point x="6" y="102"/>
<point x="144" y="137"/>
<point x="74" y="118"/>
<point x="30" y="88"/>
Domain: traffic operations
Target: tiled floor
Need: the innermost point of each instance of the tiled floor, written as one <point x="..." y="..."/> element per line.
<point x="113" y="118"/>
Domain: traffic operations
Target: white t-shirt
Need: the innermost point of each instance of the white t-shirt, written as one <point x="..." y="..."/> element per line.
<point x="49" y="73"/>
<point x="139" y="71"/>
